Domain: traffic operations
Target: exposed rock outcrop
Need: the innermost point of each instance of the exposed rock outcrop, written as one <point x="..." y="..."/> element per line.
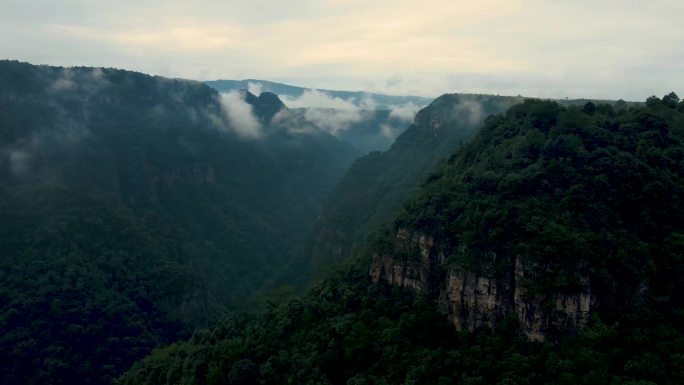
<point x="473" y="299"/>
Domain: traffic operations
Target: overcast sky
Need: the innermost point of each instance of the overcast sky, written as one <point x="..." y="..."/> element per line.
<point x="572" y="48"/>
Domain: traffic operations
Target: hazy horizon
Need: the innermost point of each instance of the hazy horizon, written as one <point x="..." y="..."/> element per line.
<point x="610" y="50"/>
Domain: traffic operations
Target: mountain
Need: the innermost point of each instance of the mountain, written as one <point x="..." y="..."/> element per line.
<point x="553" y="215"/>
<point x="475" y="279"/>
<point x="382" y="101"/>
<point x="135" y="209"/>
<point x="377" y="184"/>
<point x="366" y="130"/>
<point x="369" y="121"/>
<point x="265" y="106"/>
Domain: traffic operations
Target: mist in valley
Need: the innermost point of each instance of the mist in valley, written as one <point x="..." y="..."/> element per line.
<point x="341" y="192"/>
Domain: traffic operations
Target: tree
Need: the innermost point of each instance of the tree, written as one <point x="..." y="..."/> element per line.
<point x="671" y="100"/>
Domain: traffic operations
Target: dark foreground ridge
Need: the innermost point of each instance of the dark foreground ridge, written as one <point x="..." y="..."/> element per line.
<point x="133" y="211"/>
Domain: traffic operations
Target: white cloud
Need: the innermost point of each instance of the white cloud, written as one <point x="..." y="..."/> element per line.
<point x="64" y="82"/>
<point x="330" y="114"/>
<point x="240" y="115"/>
<point x="470" y="110"/>
<point x="281" y="116"/>
<point x="334" y="114"/>
<point x="529" y="47"/>
<point x="19" y="162"/>
<point x="388" y="131"/>
<point x="97" y="74"/>
<point x="255" y="87"/>
<point x="405" y="112"/>
<point x="317" y="99"/>
<point x="367" y="103"/>
<point x="331" y="120"/>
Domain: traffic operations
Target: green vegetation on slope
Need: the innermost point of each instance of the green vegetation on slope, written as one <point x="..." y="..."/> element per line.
<point x="347" y="330"/>
<point x="568" y="187"/>
<point x="131" y="213"/>
<point x="376" y="185"/>
<point x="86" y="288"/>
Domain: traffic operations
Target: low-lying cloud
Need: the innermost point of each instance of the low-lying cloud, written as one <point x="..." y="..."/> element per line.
<point x="19" y="162"/>
<point x="335" y="115"/>
<point x="404" y="112"/>
<point x="255" y="88"/>
<point x="66" y="126"/>
<point x="328" y="113"/>
<point x="240" y="115"/>
<point x="388" y="131"/>
<point x="318" y="99"/>
<point x="333" y="121"/>
<point x="470" y="111"/>
<point x="63" y="84"/>
<point x="88" y="82"/>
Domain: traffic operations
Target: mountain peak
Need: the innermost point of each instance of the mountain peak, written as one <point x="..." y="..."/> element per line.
<point x="265" y="106"/>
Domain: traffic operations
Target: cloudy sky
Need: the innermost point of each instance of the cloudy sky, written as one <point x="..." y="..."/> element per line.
<point x="602" y="48"/>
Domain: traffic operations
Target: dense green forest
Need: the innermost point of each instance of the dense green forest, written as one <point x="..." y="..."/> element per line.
<point x="567" y="187"/>
<point x="137" y="212"/>
<point x="561" y="184"/>
<point x="374" y="188"/>
<point x="346" y="331"/>
<point x="376" y="185"/>
<point x="133" y="212"/>
<point x="86" y="287"/>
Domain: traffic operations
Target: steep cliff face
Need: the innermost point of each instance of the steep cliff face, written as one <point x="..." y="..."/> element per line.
<point x="473" y="299"/>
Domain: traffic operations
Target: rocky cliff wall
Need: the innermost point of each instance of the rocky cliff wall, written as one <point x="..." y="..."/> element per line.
<point x="473" y="299"/>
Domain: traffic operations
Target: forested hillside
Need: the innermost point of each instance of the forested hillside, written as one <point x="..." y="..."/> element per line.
<point x="377" y="184"/>
<point x="571" y="190"/>
<point x="137" y="208"/>
<point x="558" y="213"/>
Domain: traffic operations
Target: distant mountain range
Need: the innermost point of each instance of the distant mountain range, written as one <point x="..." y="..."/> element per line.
<point x="368" y="121"/>
<point x="382" y="101"/>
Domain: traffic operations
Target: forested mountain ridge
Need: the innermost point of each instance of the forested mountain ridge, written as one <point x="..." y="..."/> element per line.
<point x="573" y="191"/>
<point x="377" y="184"/>
<point x="136" y="208"/>
<point x="552" y="214"/>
